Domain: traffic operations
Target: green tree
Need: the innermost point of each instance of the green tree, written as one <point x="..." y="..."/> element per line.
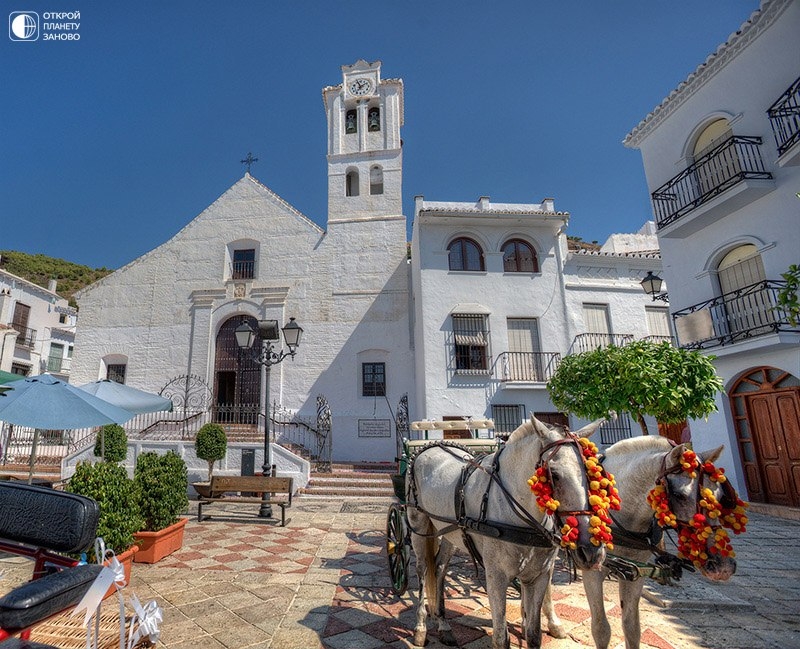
<point x="788" y="295"/>
<point x="641" y="378"/>
<point x="111" y="443"/>
<point x="211" y="444"/>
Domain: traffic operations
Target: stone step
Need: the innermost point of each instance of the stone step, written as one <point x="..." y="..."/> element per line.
<point x="342" y="490"/>
<point x="369" y="467"/>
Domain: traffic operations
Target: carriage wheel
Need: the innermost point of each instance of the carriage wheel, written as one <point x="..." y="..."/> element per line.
<point x="397" y="548"/>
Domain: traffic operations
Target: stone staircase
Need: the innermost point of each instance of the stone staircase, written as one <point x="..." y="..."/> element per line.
<point x="358" y="480"/>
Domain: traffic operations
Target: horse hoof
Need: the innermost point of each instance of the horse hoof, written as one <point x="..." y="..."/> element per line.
<point x="557" y="631"/>
<point x="447" y="638"/>
<point x="419" y="638"/>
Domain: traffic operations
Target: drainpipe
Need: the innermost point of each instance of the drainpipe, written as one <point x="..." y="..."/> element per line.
<point x="562" y="284"/>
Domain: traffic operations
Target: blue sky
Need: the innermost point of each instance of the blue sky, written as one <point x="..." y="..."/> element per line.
<point x="112" y="143"/>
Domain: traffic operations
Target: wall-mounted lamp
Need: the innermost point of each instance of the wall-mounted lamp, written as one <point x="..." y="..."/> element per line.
<point x="651" y="284"/>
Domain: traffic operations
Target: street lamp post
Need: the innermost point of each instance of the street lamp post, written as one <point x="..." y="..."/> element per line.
<point x="651" y="285"/>
<point x="268" y="356"/>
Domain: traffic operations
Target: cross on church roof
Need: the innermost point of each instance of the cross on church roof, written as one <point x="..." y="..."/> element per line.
<point x="248" y="161"/>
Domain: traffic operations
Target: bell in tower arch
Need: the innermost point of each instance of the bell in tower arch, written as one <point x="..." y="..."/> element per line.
<point x="350" y="122"/>
<point x="374" y="119"/>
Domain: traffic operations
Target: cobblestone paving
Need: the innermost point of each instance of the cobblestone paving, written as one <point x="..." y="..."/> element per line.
<point x="322" y="582"/>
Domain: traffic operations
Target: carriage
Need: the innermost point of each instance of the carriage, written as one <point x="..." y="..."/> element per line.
<point x="474" y="435"/>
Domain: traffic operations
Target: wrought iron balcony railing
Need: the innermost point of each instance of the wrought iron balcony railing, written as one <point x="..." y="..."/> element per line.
<point x="590" y="342"/>
<point x="243" y="270"/>
<point x="27" y="336"/>
<point x="784" y="115"/>
<point x="532" y="367"/>
<point x="736" y="159"/>
<point x="58" y="365"/>
<point x="739" y="315"/>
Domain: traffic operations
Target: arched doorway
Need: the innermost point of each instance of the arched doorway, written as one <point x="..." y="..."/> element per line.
<point x="237" y="376"/>
<point x="765" y="403"/>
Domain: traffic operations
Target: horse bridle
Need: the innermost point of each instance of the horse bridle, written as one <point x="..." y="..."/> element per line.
<point x="548" y="452"/>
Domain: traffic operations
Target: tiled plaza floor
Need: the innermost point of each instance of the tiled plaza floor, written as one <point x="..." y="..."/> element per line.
<point x="322" y="582"/>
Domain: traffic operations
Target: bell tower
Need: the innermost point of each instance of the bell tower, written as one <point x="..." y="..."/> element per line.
<point x="365" y="157"/>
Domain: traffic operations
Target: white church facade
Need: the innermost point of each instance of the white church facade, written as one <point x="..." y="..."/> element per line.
<point x="458" y="341"/>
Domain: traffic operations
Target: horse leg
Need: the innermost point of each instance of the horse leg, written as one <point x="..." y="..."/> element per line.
<point x="554" y="625"/>
<point x="496" y="587"/>
<point x="534" y="594"/>
<point x="425" y="549"/>
<point x="629" y="594"/>
<point x="593" y="587"/>
<point x="446" y="636"/>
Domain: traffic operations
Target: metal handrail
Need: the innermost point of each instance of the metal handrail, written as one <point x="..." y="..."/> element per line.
<point x="742" y="314"/>
<point x="784" y="116"/>
<point x="735" y="159"/>
<point x="590" y="341"/>
<point x="533" y="367"/>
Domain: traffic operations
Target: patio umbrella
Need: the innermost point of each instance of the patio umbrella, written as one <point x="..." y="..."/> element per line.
<point x="49" y="403"/>
<point x="124" y="396"/>
<point x="7" y="377"/>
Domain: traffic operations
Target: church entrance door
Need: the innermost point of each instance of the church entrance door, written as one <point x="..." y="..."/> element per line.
<point x="237" y="376"/>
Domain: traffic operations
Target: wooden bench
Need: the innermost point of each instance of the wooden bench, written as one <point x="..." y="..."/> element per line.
<point x="225" y="488"/>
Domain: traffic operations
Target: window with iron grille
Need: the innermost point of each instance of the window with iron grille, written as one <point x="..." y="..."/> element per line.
<point x="471" y="342"/>
<point x="373" y="379"/>
<point x="507" y="418"/>
<point x="244" y="264"/>
<point x="116" y="372"/>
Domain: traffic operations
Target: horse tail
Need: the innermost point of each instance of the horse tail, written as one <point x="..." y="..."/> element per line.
<point x="431" y="550"/>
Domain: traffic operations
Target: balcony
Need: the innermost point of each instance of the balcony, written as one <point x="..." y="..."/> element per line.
<point x="740" y="315"/>
<point x="784" y="115"/>
<point x="27" y="336"/>
<point x="58" y="365"/>
<point x="590" y="342"/>
<point x="243" y="269"/>
<point x="527" y="367"/>
<point x="730" y="164"/>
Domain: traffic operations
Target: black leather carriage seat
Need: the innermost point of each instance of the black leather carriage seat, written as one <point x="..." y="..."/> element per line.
<point x="57" y="521"/>
<point x="46" y="518"/>
<point x="40" y="599"/>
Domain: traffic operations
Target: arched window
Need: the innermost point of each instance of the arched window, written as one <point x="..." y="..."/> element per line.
<point x="374" y="119"/>
<point x="465" y="254"/>
<point x="376" y="180"/>
<point x="519" y="257"/>
<point x="713" y="171"/>
<point x="747" y="305"/>
<point x="351" y="183"/>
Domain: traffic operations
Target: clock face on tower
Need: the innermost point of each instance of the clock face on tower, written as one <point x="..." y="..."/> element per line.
<point x="360" y="87"/>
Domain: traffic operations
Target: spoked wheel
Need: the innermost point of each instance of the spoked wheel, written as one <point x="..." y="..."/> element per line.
<point x="397" y="548"/>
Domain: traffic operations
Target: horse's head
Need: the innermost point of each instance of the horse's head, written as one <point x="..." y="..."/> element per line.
<point x="696" y="499"/>
<point x="562" y="487"/>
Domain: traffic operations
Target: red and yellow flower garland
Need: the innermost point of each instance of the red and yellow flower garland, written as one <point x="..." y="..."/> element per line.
<point x="603" y="496"/>
<point x="693" y="536"/>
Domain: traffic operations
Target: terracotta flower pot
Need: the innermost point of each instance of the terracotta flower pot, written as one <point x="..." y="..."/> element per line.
<point x="154" y="546"/>
<point x="126" y="559"/>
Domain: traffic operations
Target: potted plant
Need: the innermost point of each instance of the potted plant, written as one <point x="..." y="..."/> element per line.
<point x="111" y="444"/>
<point x="210" y="445"/>
<point x="161" y="484"/>
<point x="108" y="483"/>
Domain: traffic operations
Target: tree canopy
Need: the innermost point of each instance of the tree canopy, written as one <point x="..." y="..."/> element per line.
<point x="641" y="378"/>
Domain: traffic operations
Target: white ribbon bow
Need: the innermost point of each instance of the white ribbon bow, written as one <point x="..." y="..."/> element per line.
<point x="114" y="573"/>
<point x="145" y="622"/>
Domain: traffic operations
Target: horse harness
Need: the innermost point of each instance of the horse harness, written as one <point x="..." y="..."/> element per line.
<point x="533" y="533"/>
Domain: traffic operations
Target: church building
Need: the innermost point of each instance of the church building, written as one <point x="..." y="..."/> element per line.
<point x="250" y="256"/>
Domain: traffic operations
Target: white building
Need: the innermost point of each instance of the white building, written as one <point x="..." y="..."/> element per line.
<point x="499" y="299"/>
<point x="251" y="256"/>
<point x="722" y="159"/>
<point x="37" y="328"/>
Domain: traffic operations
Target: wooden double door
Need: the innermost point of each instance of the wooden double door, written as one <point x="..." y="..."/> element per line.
<point x="766" y="408"/>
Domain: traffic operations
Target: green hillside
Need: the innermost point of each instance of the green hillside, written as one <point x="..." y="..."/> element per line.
<point x="40" y="269"/>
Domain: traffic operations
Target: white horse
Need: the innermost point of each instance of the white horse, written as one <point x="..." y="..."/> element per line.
<point x="506" y="523"/>
<point x="638" y="464"/>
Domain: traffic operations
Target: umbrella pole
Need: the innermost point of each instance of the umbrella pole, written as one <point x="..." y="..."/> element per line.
<point x="33" y="455"/>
